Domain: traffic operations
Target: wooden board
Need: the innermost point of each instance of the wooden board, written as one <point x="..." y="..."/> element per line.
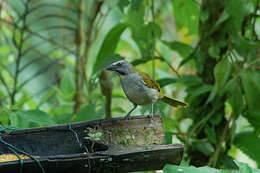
<point x="106" y="145"/>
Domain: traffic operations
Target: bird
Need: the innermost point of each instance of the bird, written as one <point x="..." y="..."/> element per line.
<point x="139" y="87"/>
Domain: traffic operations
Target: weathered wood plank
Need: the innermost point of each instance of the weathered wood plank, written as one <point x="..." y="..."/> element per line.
<point x="121" y="146"/>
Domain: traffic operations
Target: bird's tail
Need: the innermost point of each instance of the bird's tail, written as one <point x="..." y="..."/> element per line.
<point x="172" y="102"/>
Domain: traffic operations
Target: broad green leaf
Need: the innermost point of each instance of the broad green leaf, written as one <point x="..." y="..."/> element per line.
<point x="186" y="15"/>
<point x="154" y="29"/>
<point x="246" y="48"/>
<point x="223" y="17"/>
<point x="214" y="51"/>
<point x="88" y="112"/>
<point x="183" y="49"/>
<point x="235" y="96"/>
<point x="46" y="96"/>
<point x="166" y="81"/>
<point x="222" y="72"/>
<point x="36" y="116"/>
<point x="17" y="122"/>
<point x="4" y="119"/>
<point x="67" y="82"/>
<point x="63" y="118"/>
<point x="249" y="142"/>
<point x="190" y="169"/>
<point x="236" y="19"/>
<point x="122" y="4"/>
<point x="211" y="134"/>
<point x="204" y="15"/>
<point x="190" y="80"/>
<point x="199" y="90"/>
<point x="243" y="168"/>
<point x="106" y="51"/>
<point x="250" y="82"/>
<point x="143" y="34"/>
<point x="168" y="137"/>
<point x="31" y="118"/>
<point x="136" y="4"/>
<point x="204" y="147"/>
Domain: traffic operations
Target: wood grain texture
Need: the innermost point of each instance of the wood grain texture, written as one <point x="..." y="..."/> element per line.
<point x="124" y="145"/>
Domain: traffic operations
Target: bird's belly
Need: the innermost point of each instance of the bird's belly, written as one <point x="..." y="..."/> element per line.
<point x="139" y="93"/>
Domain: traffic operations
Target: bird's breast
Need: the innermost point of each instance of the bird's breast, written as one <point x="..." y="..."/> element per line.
<point x="136" y="91"/>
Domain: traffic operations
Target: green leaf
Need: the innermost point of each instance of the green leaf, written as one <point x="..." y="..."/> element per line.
<point x="46" y="96"/>
<point x="36" y="116"/>
<point x="136" y="4"/>
<point x="190" y="80"/>
<point x="186" y="15"/>
<point x="236" y="19"/>
<point x="204" y="15"/>
<point x="122" y="4"/>
<point x="88" y="112"/>
<point x="249" y="142"/>
<point x="222" y="72"/>
<point x="235" y="96"/>
<point x="223" y="17"/>
<point x="63" y="118"/>
<point x="166" y="81"/>
<point x="144" y="34"/>
<point x="67" y="82"/>
<point x="214" y="51"/>
<point x="190" y="169"/>
<point x="183" y="49"/>
<point x="18" y="122"/>
<point x="154" y="29"/>
<point x="211" y="134"/>
<point x="108" y="47"/>
<point x="243" y="168"/>
<point x="204" y="147"/>
<point x="199" y="90"/>
<point x="250" y="82"/>
<point x="26" y="119"/>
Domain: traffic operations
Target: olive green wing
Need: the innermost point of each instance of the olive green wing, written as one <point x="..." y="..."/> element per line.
<point x="148" y="80"/>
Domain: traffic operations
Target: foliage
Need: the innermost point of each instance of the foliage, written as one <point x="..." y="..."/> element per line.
<point x="52" y="53"/>
<point x="243" y="168"/>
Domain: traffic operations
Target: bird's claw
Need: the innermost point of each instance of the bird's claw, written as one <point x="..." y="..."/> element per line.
<point x="127" y="117"/>
<point x="150" y="116"/>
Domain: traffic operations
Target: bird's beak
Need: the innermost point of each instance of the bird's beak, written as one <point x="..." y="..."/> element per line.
<point x="110" y="67"/>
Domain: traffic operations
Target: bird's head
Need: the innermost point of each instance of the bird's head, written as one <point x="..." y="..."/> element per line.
<point x="121" y="67"/>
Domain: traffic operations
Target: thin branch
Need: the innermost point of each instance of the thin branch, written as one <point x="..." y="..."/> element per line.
<point x="51" y="5"/>
<point x="42" y="56"/>
<point x="215" y="157"/>
<point x="69" y="28"/>
<point x="169" y="64"/>
<point x="34" y="46"/>
<point x="60" y="17"/>
<point x="254" y="21"/>
<point x="153" y="43"/>
<point x="5" y="85"/>
<point x="19" y="51"/>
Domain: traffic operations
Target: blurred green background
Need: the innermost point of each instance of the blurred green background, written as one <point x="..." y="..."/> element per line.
<point x="52" y="54"/>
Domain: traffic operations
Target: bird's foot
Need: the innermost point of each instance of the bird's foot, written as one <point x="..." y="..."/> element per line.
<point x="127" y="117"/>
<point x="150" y="116"/>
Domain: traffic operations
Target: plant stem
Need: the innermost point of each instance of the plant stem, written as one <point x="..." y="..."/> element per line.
<point x="214" y="158"/>
<point x="19" y="53"/>
<point x="83" y="42"/>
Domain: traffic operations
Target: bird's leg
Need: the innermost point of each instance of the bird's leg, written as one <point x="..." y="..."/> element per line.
<point x="128" y="114"/>
<point x="151" y="114"/>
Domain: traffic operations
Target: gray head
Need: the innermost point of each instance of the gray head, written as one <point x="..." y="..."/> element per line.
<point x="121" y="67"/>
